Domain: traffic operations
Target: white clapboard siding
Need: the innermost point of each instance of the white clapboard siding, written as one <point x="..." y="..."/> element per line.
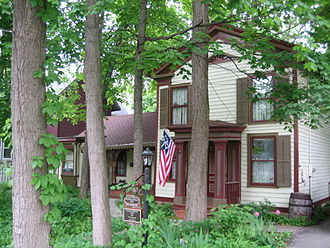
<point x="304" y="158"/>
<point x="277" y="195"/>
<point x="4" y="177"/>
<point x="320" y="163"/>
<point x="168" y="190"/>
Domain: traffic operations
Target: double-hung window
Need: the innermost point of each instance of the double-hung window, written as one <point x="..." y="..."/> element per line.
<point x="262" y="108"/>
<point x="263" y="160"/>
<point x="6" y="153"/>
<point x="179" y="106"/>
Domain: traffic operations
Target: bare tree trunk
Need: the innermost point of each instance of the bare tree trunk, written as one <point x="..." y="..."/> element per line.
<point x="196" y="205"/>
<point x="95" y="133"/>
<point x="138" y="86"/>
<point x="27" y="95"/>
<point x="84" y="173"/>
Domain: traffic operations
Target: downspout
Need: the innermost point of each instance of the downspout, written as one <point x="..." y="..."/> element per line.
<point x="310" y="172"/>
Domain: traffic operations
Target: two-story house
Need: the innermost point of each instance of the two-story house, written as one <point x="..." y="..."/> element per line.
<point x="250" y="157"/>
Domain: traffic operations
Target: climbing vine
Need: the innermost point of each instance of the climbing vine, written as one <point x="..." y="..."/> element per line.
<point x="51" y="188"/>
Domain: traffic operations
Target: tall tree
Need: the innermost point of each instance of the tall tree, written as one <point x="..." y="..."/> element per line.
<point x="138" y="86"/>
<point x="28" y="123"/>
<point x="95" y="131"/>
<point x="196" y="203"/>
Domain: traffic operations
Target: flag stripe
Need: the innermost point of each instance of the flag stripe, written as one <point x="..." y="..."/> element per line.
<point x="167" y="150"/>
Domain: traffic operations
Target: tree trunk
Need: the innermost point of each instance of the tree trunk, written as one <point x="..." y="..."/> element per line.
<point x="28" y="123"/>
<point x="95" y="133"/>
<point x="196" y="205"/>
<point x="138" y="86"/>
<point x="84" y="173"/>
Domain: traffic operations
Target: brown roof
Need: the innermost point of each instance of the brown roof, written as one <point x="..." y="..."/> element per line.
<point x="119" y="130"/>
<point x="65" y="128"/>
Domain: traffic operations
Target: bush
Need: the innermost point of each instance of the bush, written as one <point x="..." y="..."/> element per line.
<point x="5" y="215"/>
<point x="82" y="240"/>
<point x="75" y="207"/>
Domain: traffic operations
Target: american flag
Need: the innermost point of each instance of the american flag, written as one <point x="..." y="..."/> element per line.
<point x="167" y="150"/>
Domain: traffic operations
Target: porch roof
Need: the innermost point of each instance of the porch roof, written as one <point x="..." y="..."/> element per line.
<point x="214" y="126"/>
<point x="119" y="130"/>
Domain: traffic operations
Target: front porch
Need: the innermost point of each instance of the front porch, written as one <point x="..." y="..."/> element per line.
<point x="223" y="176"/>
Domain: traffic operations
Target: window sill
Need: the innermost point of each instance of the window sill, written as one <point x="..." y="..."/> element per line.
<point x="262" y="186"/>
<point x="262" y="122"/>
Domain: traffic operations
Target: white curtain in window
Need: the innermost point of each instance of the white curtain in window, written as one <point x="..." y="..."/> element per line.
<point x="180" y="115"/>
<point x="262" y="110"/>
<point x="180" y="96"/>
<point x="263" y="172"/>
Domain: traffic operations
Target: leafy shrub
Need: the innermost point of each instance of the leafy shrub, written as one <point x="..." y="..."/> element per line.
<point x="5" y="215"/>
<point x="75" y="207"/>
<point x="72" y="191"/>
<point x="82" y="240"/>
<point x="118" y="225"/>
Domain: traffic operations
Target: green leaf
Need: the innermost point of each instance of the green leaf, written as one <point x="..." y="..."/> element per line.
<point x="45" y="199"/>
<point x="54" y="160"/>
<point x="38" y="74"/>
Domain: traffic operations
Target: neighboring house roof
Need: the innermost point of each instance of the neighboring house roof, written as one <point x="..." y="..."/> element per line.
<point x="119" y="130"/>
<point x="66" y="129"/>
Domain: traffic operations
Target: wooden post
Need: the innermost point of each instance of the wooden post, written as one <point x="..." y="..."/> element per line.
<point x="220" y="149"/>
<point x="180" y="183"/>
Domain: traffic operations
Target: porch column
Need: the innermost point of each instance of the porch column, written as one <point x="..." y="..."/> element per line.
<point x="180" y="183"/>
<point x="220" y="167"/>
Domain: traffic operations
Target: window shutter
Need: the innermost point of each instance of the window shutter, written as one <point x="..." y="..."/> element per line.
<point x="242" y="104"/>
<point x="283" y="161"/>
<point x="189" y="105"/>
<point x="163" y="108"/>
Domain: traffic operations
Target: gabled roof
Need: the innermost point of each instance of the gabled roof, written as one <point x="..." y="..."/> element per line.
<point x="119" y="130"/>
<point x="65" y="128"/>
<point x="223" y="32"/>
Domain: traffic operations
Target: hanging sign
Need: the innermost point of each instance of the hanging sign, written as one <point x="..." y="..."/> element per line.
<point x="132" y="201"/>
<point x="132" y="215"/>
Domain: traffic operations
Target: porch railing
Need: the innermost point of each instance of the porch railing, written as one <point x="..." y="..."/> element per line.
<point x="232" y="192"/>
<point x="4" y="177"/>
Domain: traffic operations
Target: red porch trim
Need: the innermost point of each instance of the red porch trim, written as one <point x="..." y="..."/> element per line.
<point x="180" y="183"/>
<point x="220" y="168"/>
<point x="163" y="199"/>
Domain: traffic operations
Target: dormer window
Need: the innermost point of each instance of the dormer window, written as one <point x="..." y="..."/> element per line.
<point x="262" y="108"/>
<point x="179" y="106"/>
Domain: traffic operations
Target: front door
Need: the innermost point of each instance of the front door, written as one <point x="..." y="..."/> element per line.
<point x="233" y="173"/>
